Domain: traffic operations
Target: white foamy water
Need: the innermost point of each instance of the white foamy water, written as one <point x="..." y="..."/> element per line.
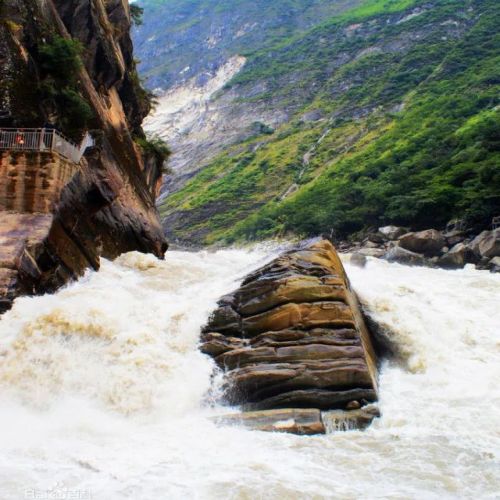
<point x="103" y="393"/>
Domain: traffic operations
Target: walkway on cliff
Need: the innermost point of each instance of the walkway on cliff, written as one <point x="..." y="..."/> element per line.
<point x="43" y="140"/>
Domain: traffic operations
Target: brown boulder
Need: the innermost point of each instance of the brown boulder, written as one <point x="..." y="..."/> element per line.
<point x="487" y="244"/>
<point x="456" y="258"/>
<point x="428" y="242"/>
<point x="293" y="336"/>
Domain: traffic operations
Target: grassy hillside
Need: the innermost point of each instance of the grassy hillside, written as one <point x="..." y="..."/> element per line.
<point x="397" y="121"/>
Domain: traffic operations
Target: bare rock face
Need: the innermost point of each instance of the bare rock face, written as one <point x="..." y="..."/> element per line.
<point x="65" y="217"/>
<point x="292" y="336"/>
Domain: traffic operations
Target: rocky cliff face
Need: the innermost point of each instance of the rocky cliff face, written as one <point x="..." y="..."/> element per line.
<point x="293" y="337"/>
<point x="108" y="206"/>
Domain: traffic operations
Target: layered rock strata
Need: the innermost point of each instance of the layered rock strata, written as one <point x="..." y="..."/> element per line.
<point x="293" y="337"/>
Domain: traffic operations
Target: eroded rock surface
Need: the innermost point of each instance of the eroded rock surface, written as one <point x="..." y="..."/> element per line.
<point x="292" y="336"/>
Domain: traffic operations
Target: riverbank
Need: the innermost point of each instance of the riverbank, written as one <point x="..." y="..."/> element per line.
<point x="452" y="248"/>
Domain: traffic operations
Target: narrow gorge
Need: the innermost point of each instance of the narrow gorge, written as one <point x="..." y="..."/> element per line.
<point x="249" y="249"/>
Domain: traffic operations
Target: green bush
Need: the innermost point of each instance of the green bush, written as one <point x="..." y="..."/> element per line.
<point x="156" y="147"/>
<point x="60" y="63"/>
<point x="136" y="14"/>
<point x="60" y="58"/>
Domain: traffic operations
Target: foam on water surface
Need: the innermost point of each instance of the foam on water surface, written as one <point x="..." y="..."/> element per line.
<point x="105" y="395"/>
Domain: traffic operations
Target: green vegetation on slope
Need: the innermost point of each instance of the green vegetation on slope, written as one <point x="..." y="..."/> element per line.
<point x="410" y="131"/>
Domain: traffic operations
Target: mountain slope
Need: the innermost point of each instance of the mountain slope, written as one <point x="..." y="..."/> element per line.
<point x="175" y="31"/>
<point x="392" y="118"/>
<point x="191" y="48"/>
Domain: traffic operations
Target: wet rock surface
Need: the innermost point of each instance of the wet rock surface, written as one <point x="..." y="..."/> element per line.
<point x="292" y="336"/>
<point x="296" y="421"/>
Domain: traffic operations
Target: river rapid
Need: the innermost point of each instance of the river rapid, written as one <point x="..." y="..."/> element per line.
<point x="104" y="395"/>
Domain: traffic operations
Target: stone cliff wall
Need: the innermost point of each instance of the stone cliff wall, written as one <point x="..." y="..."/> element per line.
<point x="33" y="182"/>
<point x="108" y="206"/>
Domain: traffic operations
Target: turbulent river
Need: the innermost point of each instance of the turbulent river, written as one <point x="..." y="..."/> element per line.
<point x="104" y="395"/>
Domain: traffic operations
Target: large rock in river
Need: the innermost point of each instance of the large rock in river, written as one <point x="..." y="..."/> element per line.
<point x="402" y="256"/>
<point x="292" y="336"/>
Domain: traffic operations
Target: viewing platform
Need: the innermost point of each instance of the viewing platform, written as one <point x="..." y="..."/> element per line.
<point x="43" y="140"/>
<point x="35" y="166"/>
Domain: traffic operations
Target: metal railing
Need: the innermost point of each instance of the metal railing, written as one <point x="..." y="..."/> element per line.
<point x="43" y="140"/>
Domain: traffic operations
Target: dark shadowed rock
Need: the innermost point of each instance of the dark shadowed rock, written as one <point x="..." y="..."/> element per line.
<point x="323" y="399"/>
<point x="494" y="265"/>
<point x="457" y="257"/>
<point x="482" y="264"/>
<point x="454" y="237"/>
<point x="376" y="238"/>
<point x="358" y="259"/>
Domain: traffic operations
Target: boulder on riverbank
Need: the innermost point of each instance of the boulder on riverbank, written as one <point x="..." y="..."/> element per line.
<point x="428" y="242"/>
<point x="292" y="336"/>
<point x="392" y="232"/>
<point x="487" y="244"/>
<point x="452" y="248"/>
<point x="402" y="256"/>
